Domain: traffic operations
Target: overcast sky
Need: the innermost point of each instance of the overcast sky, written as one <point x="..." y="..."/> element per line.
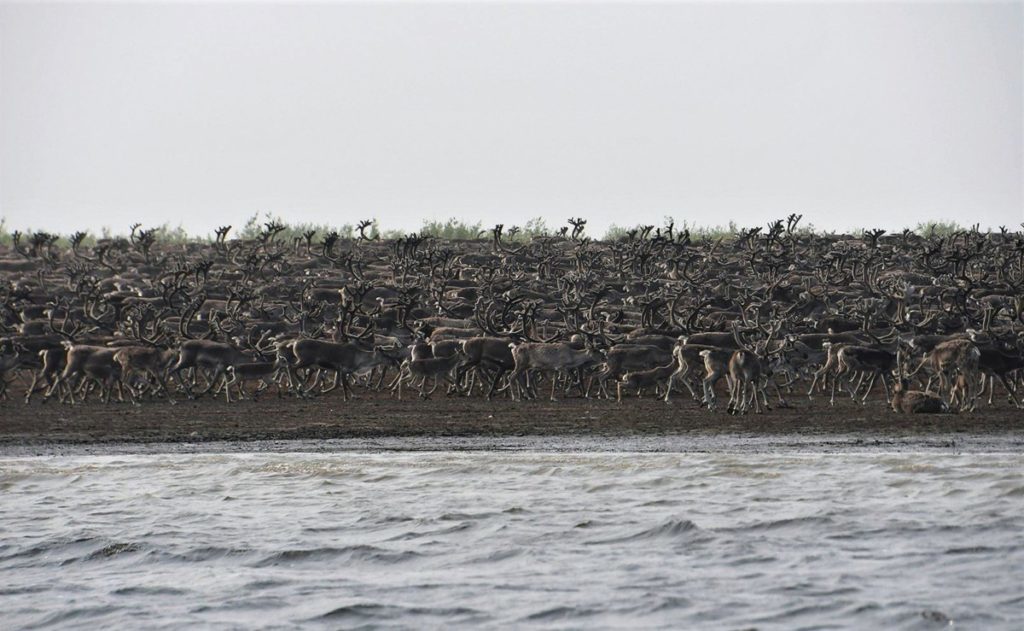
<point x="856" y="115"/>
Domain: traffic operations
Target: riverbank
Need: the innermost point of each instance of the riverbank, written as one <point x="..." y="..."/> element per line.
<point x="376" y="416"/>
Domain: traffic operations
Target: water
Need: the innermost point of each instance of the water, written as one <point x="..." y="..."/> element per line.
<point x="729" y="539"/>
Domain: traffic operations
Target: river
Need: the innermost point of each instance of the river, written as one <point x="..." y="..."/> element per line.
<point x="727" y="538"/>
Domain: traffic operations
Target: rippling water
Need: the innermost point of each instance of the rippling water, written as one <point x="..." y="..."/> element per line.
<point x="720" y="540"/>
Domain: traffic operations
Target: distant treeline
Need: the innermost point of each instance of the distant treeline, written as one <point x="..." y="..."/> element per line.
<point x="453" y="229"/>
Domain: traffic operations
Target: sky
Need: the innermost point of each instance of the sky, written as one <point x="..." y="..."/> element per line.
<point x="202" y="114"/>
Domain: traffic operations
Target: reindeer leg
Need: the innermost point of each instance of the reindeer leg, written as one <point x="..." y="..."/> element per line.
<point x="494" y="384"/>
<point x="764" y="397"/>
<point x="1011" y="390"/>
<point x="871" y="384"/>
<point x="163" y="386"/>
<point x="778" y="393"/>
<point x="668" y="387"/>
<point x="835" y="380"/>
<point x="55" y="387"/>
<point x="347" y="388"/>
<point x="818" y="374"/>
<point x="66" y="389"/>
<point x="334" y="384"/>
<point x="32" y="386"/>
<point x="709" y="391"/>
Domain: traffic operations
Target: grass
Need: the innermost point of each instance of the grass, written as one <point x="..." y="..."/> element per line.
<point x="697" y="232"/>
<point x="453" y="229"/>
<point x="939" y="228"/>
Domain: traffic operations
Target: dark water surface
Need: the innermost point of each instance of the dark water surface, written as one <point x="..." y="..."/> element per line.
<point x="796" y="537"/>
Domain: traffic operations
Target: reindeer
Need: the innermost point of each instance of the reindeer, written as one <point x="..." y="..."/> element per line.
<point x="51" y="363"/>
<point x="749" y="366"/>
<point x="8" y="362"/>
<point x="745" y="372"/>
<point x="547" y="356"/>
<point x="836" y="294"/>
<point x="88" y="364"/>
<point x="205" y="354"/>
<point x="716" y="365"/>
<point x="687" y="357"/>
<point x="265" y="373"/>
<point x="151" y="362"/>
<point x="994" y="364"/>
<point x="957" y="356"/>
<point x="866" y="361"/>
<point x="344" y="359"/>
<point x="830" y="368"/>
<point x="623" y="358"/>
<point x="908" y="401"/>
<point x="485" y="354"/>
<point x="641" y="379"/>
<point x="430" y="367"/>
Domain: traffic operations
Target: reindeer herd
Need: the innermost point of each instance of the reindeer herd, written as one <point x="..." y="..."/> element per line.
<point x="932" y="323"/>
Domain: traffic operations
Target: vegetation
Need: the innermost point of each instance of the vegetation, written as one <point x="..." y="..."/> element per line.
<point x="939" y="228"/>
<point x="697" y="232"/>
<point x="256" y="225"/>
<point x="453" y="229"/>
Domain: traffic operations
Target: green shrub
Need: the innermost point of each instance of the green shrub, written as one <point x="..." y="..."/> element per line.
<point x="453" y="229"/>
<point x="939" y="228"/>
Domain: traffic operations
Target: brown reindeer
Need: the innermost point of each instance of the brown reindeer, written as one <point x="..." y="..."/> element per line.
<point x="908" y="401"/>
<point x="86" y="366"/>
<point x="641" y="379"/>
<point x="946" y="360"/>
<point x="865" y="360"/>
<point x="716" y="366"/>
<point x="436" y="368"/>
<point x="555" y="357"/>
<point x="745" y="372"/>
<point x="687" y="360"/>
<point x="239" y="375"/>
<point x="148" y="362"/>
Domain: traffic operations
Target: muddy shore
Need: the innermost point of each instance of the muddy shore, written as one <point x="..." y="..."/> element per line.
<point x="376" y="416"/>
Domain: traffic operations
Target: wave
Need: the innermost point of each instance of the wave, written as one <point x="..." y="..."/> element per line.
<point x="360" y="553"/>
<point x="464" y="516"/>
<point x="789" y="522"/>
<point x="68" y="551"/>
<point x="210" y="553"/>
<point x="74" y="616"/>
<point x="814" y="611"/>
<point x="971" y="550"/>
<point x="559" y="613"/>
<point x="419" y="534"/>
<point x="113" y="550"/>
<point x="671" y="529"/>
<point x="46" y="547"/>
<point x="497" y="555"/>
<point x="377" y="611"/>
<point x="149" y="591"/>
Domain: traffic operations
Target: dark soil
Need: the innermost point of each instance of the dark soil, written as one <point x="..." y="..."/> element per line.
<point x="375" y="415"/>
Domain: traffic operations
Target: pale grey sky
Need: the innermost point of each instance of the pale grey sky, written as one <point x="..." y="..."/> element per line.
<point x="869" y="114"/>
